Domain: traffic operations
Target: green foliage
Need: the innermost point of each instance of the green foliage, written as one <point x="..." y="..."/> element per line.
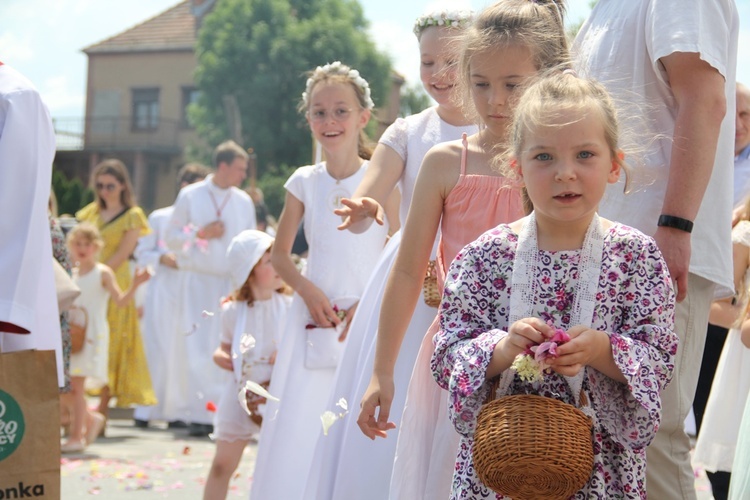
<point x="574" y="27"/>
<point x="413" y="99"/>
<point x="259" y="51"/>
<point x="272" y="185"/>
<point x="71" y="194"/>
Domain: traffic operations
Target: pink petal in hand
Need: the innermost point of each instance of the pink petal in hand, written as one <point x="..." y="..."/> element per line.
<point x="560" y="336"/>
<point x="201" y="244"/>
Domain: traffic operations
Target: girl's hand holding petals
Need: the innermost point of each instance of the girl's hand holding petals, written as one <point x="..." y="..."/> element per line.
<point x="584" y="347"/>
<point x="319" y="305"/>
<point x="527" y="332"/>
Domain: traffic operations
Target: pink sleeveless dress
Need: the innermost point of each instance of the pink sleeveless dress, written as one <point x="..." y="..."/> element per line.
<point x="427" y="442"/>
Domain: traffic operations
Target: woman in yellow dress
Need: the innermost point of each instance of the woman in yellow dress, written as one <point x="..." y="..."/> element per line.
<point x="120" y="223"/>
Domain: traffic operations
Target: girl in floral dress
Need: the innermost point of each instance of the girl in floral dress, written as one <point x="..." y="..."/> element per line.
<point x="459" y="192"/>
<point x="562" y="267"/>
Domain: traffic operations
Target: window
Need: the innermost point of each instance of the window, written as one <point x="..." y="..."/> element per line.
<point x="145" y="109"/>
<point x="190" y="95"/>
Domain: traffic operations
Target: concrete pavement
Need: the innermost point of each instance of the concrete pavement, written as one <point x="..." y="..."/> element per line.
<point x="132" y="463"/>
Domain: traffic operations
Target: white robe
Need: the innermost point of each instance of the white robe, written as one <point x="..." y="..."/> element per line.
<point x="346" y="462"/>
<point x="27" y="148"/>
<point x="159" y="323"/>
<point x="339" y="263"/>
<point x="205" y="282"/>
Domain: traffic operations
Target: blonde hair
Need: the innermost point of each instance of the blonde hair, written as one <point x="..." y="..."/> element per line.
<point x="536" y="24"/>
<point x="116" y="169"/>
<point x="556" y="93"/>
<point x="86" y="231"/>
<point x="337" y="72"/>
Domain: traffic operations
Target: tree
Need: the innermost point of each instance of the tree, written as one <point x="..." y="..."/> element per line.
<point x="258" y="51"/>
<point x="71" y="194"/>
<point x="413" y="99"/>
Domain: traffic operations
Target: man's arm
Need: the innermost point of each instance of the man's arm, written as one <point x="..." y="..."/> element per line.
<point x="699" y="93"/>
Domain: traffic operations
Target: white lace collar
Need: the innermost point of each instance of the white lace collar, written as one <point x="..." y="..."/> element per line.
<point x="524" y="298"/>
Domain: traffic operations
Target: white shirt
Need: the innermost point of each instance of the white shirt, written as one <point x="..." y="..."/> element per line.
<point x="27" y="148"/>
<point x="620" y="45"/>
<point x="198" y="205"/>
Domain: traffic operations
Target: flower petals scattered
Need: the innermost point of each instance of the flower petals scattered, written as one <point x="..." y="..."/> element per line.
<point x="328" y="418"/>
<point x="247" y="342"/>
<point x="258" y="389"/>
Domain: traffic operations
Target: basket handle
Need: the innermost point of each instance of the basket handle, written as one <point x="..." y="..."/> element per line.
<point x="431" y="271"/>
<point x="85" y="314"/>
<point x="495" y="384"/>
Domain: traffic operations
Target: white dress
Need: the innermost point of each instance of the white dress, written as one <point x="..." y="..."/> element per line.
<point x="339" y="263"/>
<point x="265" y="321"/>
<point x="717" y="441"/>
<point x="346" y="462"/>
<point x="159" y="324"/>
<point x="92" y="361"/>
<point x="205" y="281"/>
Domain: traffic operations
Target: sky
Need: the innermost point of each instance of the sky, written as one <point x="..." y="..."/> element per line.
<point x="43" y="38"/>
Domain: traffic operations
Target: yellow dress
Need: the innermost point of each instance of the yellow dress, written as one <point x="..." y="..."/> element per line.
<point x="129" y="379"/>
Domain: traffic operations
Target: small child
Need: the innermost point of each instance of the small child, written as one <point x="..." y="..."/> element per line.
<point x="252" y="320"/>
<point x="97" y="283"/>
<point x="562" y="267"/>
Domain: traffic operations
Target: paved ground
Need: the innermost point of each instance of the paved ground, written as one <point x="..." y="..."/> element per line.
<point x="131" y="464"/>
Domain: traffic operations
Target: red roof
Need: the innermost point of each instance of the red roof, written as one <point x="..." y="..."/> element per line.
<point x="173" y="29"/>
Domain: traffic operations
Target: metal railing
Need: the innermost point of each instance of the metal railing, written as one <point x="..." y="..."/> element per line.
<point x="116" y="133"/>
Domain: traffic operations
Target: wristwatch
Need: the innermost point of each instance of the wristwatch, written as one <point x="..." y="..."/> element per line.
<point x="676" y="223"/>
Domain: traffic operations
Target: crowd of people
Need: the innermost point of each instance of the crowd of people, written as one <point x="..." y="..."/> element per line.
<point x="565" y="221"/>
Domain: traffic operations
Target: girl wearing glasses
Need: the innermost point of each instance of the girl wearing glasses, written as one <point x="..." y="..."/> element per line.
<point x="337" y="105"/>
<point x="345" y="461"/>
<point x="121" y="222"/>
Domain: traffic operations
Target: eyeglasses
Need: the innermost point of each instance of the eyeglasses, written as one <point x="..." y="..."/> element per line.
<point x="338" y="114"/>
<point x="108" y="187"/>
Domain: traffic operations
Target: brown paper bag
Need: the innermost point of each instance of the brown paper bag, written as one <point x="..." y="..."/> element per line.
<point x="29" y="425"/>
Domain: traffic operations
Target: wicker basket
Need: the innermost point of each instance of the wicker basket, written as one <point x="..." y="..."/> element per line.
<point x="532" y="447"/>
<point x="432" y="294"/>
<point x="78" y="320"/>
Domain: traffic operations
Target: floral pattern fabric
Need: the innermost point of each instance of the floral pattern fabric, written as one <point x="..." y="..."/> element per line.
<point x="635" y="306"/>
<point x="60" y="253"/>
